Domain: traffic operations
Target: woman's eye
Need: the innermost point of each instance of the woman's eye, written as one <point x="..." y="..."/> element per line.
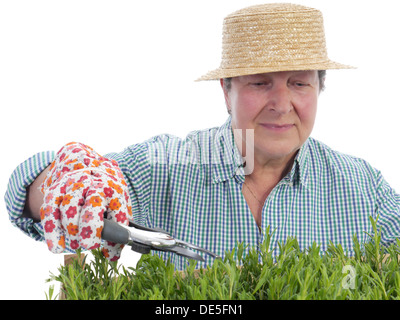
<point x="300" y="84"/>
<point x="259" y="84"/>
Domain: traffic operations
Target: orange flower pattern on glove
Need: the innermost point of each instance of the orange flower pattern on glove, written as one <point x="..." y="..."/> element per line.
<point x="80" y="190"/>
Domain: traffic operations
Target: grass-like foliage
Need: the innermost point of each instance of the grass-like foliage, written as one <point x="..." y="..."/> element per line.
<point x="372" y="274"/>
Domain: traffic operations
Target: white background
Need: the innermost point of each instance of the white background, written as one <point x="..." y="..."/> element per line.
<point x="113" y="73"/>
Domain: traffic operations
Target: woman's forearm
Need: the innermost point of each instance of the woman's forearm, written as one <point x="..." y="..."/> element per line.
<point x="34" y="198"/>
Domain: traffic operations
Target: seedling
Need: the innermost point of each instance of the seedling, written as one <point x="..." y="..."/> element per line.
<point x="292" y="275"/>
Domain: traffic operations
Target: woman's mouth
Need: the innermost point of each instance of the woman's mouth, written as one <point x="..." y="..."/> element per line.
<point x="277" y="127"/>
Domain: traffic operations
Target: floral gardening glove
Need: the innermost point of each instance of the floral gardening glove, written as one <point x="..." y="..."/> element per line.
<point x="80" y="190"/>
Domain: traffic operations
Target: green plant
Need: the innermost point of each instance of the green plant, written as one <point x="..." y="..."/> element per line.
<point x="292" y="275"/>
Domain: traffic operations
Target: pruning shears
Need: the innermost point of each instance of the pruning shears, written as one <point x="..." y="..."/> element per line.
<point x="143" y="240"/>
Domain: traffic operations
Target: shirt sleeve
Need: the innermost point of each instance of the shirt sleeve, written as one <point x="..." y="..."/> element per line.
<point x="135" y="164"/>
<point x="388" y="209"/>
<point x="15" y="196"/>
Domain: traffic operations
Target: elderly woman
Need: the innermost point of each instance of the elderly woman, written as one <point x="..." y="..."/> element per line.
<point x="224" y="185"/>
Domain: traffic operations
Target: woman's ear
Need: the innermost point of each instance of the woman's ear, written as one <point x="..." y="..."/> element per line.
<point x="226" y="95"/>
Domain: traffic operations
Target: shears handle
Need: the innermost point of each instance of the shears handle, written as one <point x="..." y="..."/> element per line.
<point x="113" y="232"/>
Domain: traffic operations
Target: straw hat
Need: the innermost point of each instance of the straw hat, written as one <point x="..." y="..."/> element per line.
<point x="270" y="38"/>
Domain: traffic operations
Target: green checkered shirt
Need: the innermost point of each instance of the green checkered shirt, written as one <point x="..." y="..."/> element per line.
<point x="192" y="188"/>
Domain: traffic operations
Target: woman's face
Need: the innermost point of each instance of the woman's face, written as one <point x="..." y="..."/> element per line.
<point x="281" y="108"/>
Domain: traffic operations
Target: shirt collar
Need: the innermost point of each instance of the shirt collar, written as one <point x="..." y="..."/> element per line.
<point x="299" y="171"/>
<point x="226" y="158"/>
<point x="228" y="162"/>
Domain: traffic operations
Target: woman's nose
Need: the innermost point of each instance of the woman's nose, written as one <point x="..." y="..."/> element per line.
<point x="280" y="99"/>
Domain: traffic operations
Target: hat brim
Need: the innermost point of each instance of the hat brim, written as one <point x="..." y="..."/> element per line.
<point x="222" y="73"/>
